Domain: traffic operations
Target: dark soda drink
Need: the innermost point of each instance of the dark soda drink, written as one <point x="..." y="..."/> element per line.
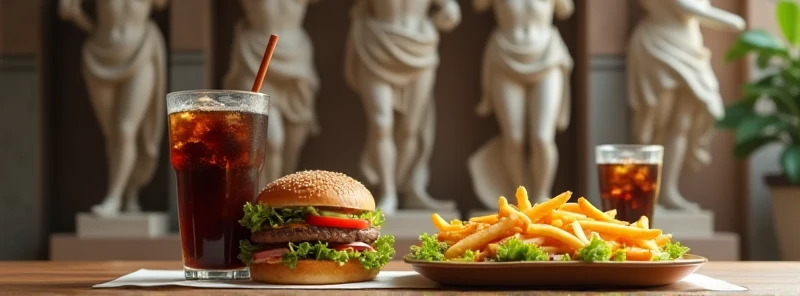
<point x="630" y="188"/>
<point x="217" y="157"/>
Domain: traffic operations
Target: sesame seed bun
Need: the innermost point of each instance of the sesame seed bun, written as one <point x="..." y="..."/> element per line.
<point x="319" y="189"/>
<point x="311" y="272"/>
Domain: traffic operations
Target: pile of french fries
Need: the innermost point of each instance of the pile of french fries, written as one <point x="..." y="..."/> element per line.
<point x="557" y="226"/>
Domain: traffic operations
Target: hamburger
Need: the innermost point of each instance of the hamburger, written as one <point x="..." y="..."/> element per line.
<point x="314" y="227"/>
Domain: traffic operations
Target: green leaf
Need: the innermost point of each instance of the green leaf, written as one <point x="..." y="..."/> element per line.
<point x="790" y="161"/>
<point x="384" y="250"/>
<point x="596" y="250"/>
<point x="788" y="14"/>
<point x="760" y="41"/>
<point x="516" y="250"/>
<point x="755" y="127"/>
<point x="429" y="249"/>
<point x="744" y="149"/>
<point x="763" y="59"/>
<point x="736" y="113"/>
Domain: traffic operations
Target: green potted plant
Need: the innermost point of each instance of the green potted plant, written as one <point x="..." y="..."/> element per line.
<point x="769" y="112"/>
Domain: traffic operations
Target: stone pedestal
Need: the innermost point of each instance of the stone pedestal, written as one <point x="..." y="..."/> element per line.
<point x="683" y="223"/>
<point x="70" y="247"/>
<point x="141" y="225"/>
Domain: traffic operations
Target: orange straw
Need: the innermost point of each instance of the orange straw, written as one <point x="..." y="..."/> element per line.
<point x="262" y="71"/>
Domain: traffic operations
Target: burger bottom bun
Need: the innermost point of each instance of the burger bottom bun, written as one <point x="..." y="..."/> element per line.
<point x="311" y="272"/>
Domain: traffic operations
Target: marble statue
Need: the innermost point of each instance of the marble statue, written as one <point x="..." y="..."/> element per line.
<point x="292" y="82"/>
<point x="525" y="84"/>
<point x="672" y="89"/>
<point x="391" y="62"/>
<point x="124" y="68"/>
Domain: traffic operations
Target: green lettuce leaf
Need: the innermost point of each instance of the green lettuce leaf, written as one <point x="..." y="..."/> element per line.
<point x="469" y="256"/>
<point x="620" y="255"/>
<point x="246" y="250"/>
<point x="671" y="251"/>
<point x="430" y="249"/>
<point x="566" y="257"/>
<point x="516" y="250"/>
<point x="258" y="216"/>
<point x="596" y="250"/>
<point x="375" y="218"/>
<point x="384" y="250"/>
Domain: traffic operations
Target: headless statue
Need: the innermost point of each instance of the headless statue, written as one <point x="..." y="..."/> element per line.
<point x="391" y="62"/>
<point x="525" y="81"/>
<point x="672" y="89"/>
<point x="292" y="83"/>
<point x="124" y="67"/>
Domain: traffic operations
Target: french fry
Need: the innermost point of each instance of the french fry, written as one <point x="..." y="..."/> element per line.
<point x="643" y="223"/>
<point x="556" y="226"/>
<point x="478" y="240"/>
<point x="644" y="244"/>
<point x="567" y="216"/>
<point x="612" y="213"/>
<point x="442" y="225"/>
<point x="452" y="237"/>
<point x="488" y="219"/>
<point x="663" y="239"/>
<point x="556" y="233"/>
<point x="592" y="212"/>
<point x="506" y="209"/>
<point x="540" y="210"/>
<point x="578" y="230"/>
<point x="503" y="207"/>
<point x="523" y="201"/>
<point x="638" y="254"/>
<point x="571" y="207"/>
<point x="620" y="231"/>
<point x="536" y="240"/>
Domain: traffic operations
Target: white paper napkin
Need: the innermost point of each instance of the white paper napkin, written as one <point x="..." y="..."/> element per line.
<point x="384" y="280"/>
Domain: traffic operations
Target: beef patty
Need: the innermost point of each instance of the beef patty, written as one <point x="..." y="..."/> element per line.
<point x="308" y="233"/>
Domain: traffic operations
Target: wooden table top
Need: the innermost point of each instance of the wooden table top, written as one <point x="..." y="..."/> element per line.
<point x="73" y="278"/>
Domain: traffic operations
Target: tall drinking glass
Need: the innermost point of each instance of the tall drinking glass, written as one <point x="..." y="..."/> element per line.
<point x="629" y="179"/>
<point x="217" y="146"/>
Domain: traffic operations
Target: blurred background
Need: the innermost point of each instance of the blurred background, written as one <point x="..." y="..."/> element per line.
<point x="52" y="163"/>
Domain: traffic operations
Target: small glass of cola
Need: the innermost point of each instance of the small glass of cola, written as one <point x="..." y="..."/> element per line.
<point x="629" y="177"/>
<point x="217" y="141"/>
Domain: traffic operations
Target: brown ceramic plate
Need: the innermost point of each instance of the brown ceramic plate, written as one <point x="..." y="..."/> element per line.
<point x="559" y="273"/>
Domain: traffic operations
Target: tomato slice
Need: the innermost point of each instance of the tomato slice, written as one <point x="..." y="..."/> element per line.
<point x="325" y="221"/>
<point x="355" y="246"/>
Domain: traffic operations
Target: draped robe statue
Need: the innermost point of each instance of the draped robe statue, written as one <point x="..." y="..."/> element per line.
<point x="124" y="67"/>
<point x="525" y="82"/>
<point x="292" y="82"/>
<point x="672" y="89"/>
<point x="391" y="62"/>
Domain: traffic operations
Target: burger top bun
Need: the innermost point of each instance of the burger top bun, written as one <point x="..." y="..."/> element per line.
<point x="317" y="188"/>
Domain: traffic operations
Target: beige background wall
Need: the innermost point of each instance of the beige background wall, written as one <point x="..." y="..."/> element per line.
<point x="762" y="240"/>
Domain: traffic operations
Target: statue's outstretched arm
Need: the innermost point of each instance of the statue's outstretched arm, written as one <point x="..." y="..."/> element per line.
<point x="712" y="16"/>
<point x="448" y="16"/>
<point x="70" y="10"/>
